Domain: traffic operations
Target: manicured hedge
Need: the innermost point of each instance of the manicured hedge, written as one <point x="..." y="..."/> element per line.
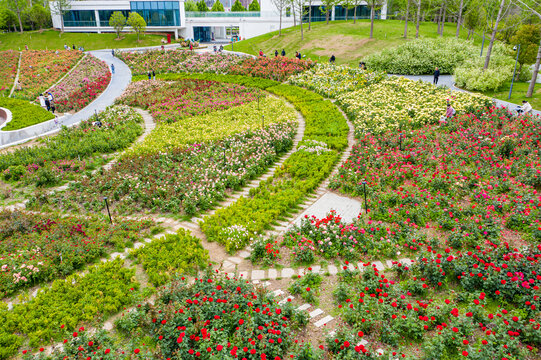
<point x="24" y="113"/>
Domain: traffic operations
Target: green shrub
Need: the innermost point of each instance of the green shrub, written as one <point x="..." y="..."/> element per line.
<point x="24" y="113"/>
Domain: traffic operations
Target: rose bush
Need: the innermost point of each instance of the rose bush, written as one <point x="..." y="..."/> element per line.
<point x="8" y="69"/>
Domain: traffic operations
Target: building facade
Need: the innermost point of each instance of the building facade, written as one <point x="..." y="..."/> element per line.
<point x="169" y="16"/>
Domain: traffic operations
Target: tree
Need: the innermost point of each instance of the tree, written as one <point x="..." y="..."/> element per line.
<point x="473" y="18"/>
<point x="137" y="23"/>
<point x="8" y="20"/>
<point x="202" y="6"/>
<point x="190" y="6"/>
<point x="501" y="13"/>
<point x="326" y="5"/>
<point x="459" y="20"/>
<point x="237" y="6"/>
<point x="406" y="18"/>
<point x="348" y="5"/>
<point x="254" y="6"/>
<point x="299" y="7"/>
<point x="528" y="36"/>
<point x="37" y="16"/>
<point x="280" y="5"/>
<point x="373" y="4"/>
<point x="356" y="4"/>
<point x="17" y="6"/>
<point x="61" y="7"/>
<point x="217" y="6"/>
<point x="117" y="21"/>
<point x="418" y="17"/>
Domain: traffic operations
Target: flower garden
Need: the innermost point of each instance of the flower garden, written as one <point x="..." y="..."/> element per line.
<point x="8" y="69"/>
<point x="452" y="210"/>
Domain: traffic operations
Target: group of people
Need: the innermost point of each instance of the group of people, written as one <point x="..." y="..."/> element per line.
<point x="66" y="47"/>
<point x="47" y="102"/>
<point x="218" y="50"/>
<point x="151" y="75"/>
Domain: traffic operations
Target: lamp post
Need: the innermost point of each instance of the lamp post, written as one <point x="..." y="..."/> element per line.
<point x="107" y="206"/>
<point x="483" y="43"/>
<point x="364" y="190"/>
<point x="514" y="71"/>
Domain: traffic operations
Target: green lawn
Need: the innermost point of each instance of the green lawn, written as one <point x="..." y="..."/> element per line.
<point x="52" y="39"/>
<point x="519" y="94"/>
<point x="347" y="41"/>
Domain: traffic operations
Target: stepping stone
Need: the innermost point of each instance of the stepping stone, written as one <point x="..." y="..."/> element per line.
<point x="277" y="293"/>
<point x="283" y="301"/>
<point x="266" y="283"/>
<point x="287" y="273"/>
<point x="316" y="269"/>
<point x="120" y="255"/>
<point x="406" y="261"/>
<point x="258" y="274"/>
<point x="363" y="342"/>
<point x="228" y="265"/>
<point x="148" y="240"/>
<point x="379" y="352"/>
<point x="10" y="305"/>
<point x="379" y="265"/>
<point x="255" y="282"/>
<point x="332" y="333"/>
<point x="236" y="260"/>
<point x="108" y="326"/>
<point x="244" y="254"/>
<point x="333" y="270"/>
<point x="230" y="275"/>
<point x="243" y="274"/>
<point x="304" y="307"/>
<point x="301" y="271"/>
<point x="315" y="313"/>
<point x="389" y="263"/>
<point x="138" y="245"/>
<point x="273" y="274"/>
<point x="324" y="321"/>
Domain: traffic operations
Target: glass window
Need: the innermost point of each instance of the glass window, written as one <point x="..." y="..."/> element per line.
<point x="158" y="13"/>
<point x="80" y="18"/>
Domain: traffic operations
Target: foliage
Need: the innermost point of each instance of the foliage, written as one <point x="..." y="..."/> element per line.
<point x="254" y="6"/>
<point x="237" y="6"/>
<point x="190" y="6"/>
<point x="40" y="69"/>
<point x="422" y="56"/>
<point x="171" y="255"/>
<point x="84" y="84"/>
<point x="331" y="80"/>
<point x="214" y="126"/>
<point x="23" y="113"/>
<point x="307" y="287"/>
<point x="137" y="23"/>
<point x="37" y="248"/>
<point x="398" y="102"/>
<point x="265" y="251"/>
<point x="8" y="69"/>
<point x="217" y="6"/>
<point x="121" y="126"/>
<point x="202" y="6"/>
<point x="118" y="22"/>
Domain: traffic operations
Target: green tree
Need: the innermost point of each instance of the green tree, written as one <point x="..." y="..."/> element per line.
<point x="60" y="7"/>
<point x="117" y="21"/>
<point x="237" y="6"/>
<point x="254" y="6"/>
<point x="17" y="6"/>
<point x="8" y="20"/>
<point x="37" y="16"/>
<point x="474" y="17"/>
<point x="326" y="6"/>
<point x="373" y="5"/>
<point x="137" y="23"/>
<point x="347" y="5"/>
<point x="528" y="36"/>
<point x="190" y="6"/>
<point x="217" y="6"/>
<point x="202" y="6"/>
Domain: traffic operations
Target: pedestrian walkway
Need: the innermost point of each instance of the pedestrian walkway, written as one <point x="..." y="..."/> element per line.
<point x="119" y="82"/>
<point x="448" y="81"/>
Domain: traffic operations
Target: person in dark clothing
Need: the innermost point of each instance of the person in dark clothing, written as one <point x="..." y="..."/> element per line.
<point x="332" y="59"/>
<point x="47" y="103"/>
<point x="153" y="75"/>
<point x="275" y="53"/>
<point x="113" y="52"/>
<point x="283" y="52"/>
<point x="299" y="56"/>
<point x="436" y="75"/>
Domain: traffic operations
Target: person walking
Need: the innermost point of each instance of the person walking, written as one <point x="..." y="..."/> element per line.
<point x="47" y="103"/>
<point x="191" y="46"/>
<point x="275" y="53"/>
<point x="332" y="59"/>
<point x="149" y="75"/>
<point x="283" y="52"/>
<point x="113" y="52"/>
<point x="436" y="75"/>
<point x="42" y="101"/>
<point x="112" y="69"/>
<point x="153" y="75"/>
<point x="51" y="102"/>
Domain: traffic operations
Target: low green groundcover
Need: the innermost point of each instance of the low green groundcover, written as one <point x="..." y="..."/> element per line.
<point x="24" y="113"/>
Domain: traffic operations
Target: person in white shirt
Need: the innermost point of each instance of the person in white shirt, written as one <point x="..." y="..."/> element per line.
<point x="42" y="101"/>
<point x="526" y="107"/>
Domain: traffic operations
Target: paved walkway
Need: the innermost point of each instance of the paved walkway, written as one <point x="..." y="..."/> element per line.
<point x="119" y="81"/>
<point x="447" y="80"/>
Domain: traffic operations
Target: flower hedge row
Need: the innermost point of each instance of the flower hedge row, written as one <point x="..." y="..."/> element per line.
<point x="8" y="69"/>
<point x="120" y="127"/>
<point x="37" y="248"/>
<point x="184" y="180"/>
<point x="78" y="299"/>
<point x="214" y="126"/>
<point x="84" y="84"/>
<point x="40" y="69"/>
<point x="24" y="113"/>
<point x="398" y="102"/>
<point x="171" y="255"/>
<point x="332" y="80"/>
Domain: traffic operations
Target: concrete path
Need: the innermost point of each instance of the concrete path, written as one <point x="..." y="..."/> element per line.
<point x="119" y="81"/>
<point x="346" y="207"/>
<point x="447" y="80"/>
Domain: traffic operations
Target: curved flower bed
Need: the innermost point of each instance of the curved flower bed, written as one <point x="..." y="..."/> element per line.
<point x="37" y="248"/>
<point x="8" y="69"/>
<point x="159" y="61"/>
<point x="42" y="68"/>
<point x="82" y="85"/>
<point x="398" y="102"/>
<point x="333" y="80"/>
<point x="275" y="68"/>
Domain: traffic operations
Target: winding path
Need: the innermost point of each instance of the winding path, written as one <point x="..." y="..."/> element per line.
<point x="119" y="82"/>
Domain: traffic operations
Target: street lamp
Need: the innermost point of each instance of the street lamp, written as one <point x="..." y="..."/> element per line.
<point x="514" y="71"/>
<point x="108" y="212"/>
<point x="364" y="189"/>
